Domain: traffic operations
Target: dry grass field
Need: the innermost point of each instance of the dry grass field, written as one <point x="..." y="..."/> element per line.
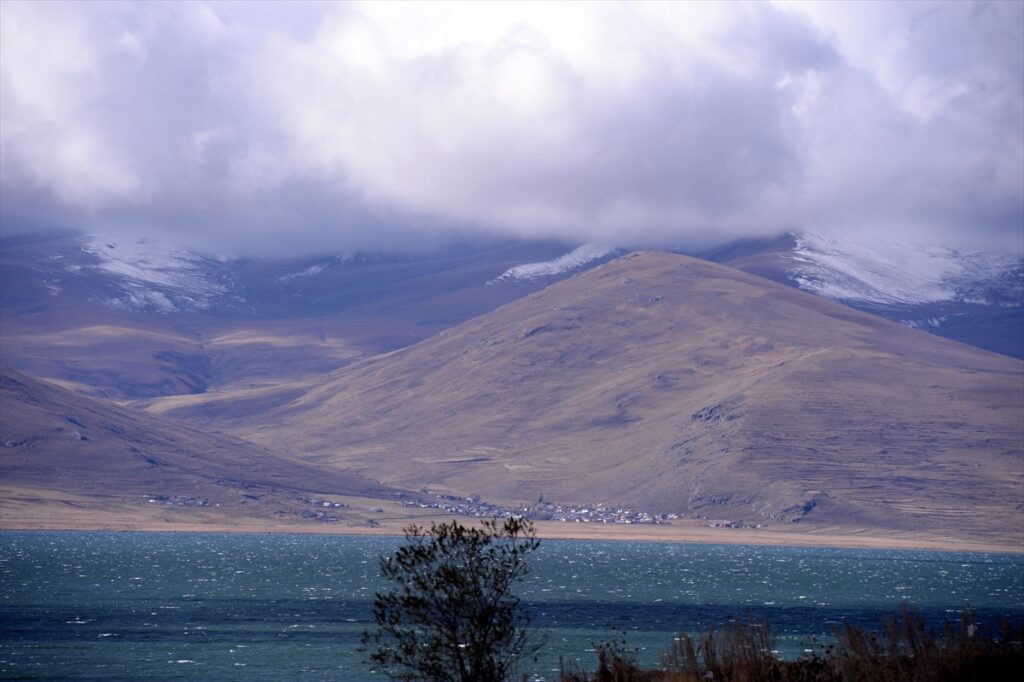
<point x="69" y="461"/>
<point x="656" y="382"/>
<point x="671" y="384"/>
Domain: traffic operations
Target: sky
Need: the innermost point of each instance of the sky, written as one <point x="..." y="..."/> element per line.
<point x="271" y="128"/>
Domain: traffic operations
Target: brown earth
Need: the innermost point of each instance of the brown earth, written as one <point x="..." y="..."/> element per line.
<point x="68" y="459"/>
<point x="669" y="384"/>
<point x="124" y="357"/>
<point x="62" y="316"/>
<point x="24" y="509"/>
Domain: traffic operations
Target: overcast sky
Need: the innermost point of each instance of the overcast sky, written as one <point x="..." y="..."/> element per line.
<point x="244" y="127"/>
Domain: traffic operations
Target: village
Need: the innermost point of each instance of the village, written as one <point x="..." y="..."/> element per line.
<point x="542" y="511"/>
<point x="327" y="511"/>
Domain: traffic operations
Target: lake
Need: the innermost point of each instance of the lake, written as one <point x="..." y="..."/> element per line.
<point x="166" y="606"/>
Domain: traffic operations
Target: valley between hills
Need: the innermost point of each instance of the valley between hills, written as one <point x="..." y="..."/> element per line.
<point x="724" y="405"/>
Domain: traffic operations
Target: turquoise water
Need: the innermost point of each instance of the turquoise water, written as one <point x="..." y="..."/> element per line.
<point x="135" y="606"/>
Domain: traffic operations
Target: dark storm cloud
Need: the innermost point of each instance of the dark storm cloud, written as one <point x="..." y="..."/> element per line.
<point x="257" y="127"/>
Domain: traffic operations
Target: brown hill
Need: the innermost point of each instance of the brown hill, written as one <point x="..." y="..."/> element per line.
<point x="154" y="322"/>
<point x="64" y="453"/>
<point x="671" y="384"/>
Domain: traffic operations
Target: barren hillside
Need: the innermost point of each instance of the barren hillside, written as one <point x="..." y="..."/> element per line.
<point x="675" y="385"/>
<point x="67" y="455"/>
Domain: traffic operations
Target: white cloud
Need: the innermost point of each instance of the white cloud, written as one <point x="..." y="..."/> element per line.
<point x="52" y="134"/>
<point x="630" y="123"/>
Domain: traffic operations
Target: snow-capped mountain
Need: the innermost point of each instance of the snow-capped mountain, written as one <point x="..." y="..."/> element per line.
<point x="155" y="278"/>
<point x="416" y="294"/>
<point x="312" y="270"/>
<point x="139" y="319"/>
<point x="148" y="277"/>
<point x="568" y="263"/>
<point x="903" y="274"/>
<point x="145" y="276"/>
<point x="972" y="297"/>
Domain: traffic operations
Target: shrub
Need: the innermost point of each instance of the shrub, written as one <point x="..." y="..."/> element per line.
<point x="451" y="614"/>
<point x="904" y="650"/>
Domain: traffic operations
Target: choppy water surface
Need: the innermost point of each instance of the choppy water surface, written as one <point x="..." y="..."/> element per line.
<point x="131" y="606"/>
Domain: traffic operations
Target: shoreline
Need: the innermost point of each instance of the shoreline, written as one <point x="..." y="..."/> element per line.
<point x="547" y="530"/>
<point x="42" y="510"/>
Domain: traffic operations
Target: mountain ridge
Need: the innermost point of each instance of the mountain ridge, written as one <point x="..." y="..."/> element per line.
<point x="971" y="297"/>
<point x="685" y="386"/>
<point x="62" y="450"/>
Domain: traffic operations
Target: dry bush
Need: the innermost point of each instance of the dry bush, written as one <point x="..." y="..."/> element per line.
<point x="904" y="650"/>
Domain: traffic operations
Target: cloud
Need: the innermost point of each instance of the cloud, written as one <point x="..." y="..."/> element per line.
<point x="386" y="125"/>
<point x="52" y="134"/>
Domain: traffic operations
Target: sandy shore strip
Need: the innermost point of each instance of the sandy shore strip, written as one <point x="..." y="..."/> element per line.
<point x="804" y="537"/>
<point x="24" y="508"/>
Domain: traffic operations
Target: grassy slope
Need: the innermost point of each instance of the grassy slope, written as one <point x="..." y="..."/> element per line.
<point x="673" y="384"/>
<point x="84" y="457"/>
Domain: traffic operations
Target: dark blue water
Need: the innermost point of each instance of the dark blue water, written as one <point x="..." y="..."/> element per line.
<point x="133" y="606"/>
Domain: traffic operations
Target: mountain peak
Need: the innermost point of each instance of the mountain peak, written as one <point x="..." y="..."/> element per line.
<point x="677" y="385"/>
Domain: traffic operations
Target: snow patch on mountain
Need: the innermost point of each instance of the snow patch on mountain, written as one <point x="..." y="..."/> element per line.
<point x="156" y="278"/>
<point x="576" y="258"/>
<point x="898" y="274"/>
<point x="928" y="324"/>
<point x="308" y="272"/>
<point x="316" y="268"/>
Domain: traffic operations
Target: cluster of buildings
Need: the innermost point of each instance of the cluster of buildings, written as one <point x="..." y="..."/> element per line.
<point x="179" y="500"/>
<point x="596" y="514"/>
<point x="542" y="511"/>
<point x="321" y="510"/>
<point x="323" y="504"/>
<point x="319" y="515"/>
